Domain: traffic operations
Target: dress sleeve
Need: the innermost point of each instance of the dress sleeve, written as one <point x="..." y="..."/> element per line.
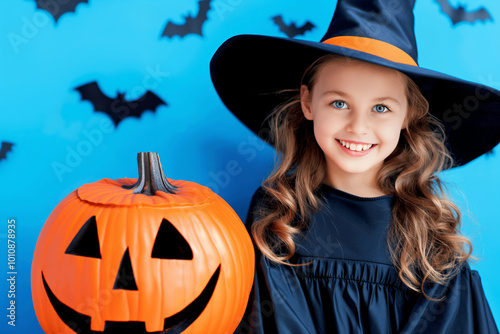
<point x="259" y="314"/>
<point x="464" y="309"/>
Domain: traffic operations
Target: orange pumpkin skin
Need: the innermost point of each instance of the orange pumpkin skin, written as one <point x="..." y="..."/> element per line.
<point x="164" y="287"/>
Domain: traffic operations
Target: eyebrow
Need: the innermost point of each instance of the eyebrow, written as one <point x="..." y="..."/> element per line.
<point x="388" y="98"/>
<point x="345" y="95"/>
<point x="335" y="92"/>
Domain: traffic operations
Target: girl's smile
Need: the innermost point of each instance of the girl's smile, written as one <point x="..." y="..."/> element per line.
<point x="355" y="148"/>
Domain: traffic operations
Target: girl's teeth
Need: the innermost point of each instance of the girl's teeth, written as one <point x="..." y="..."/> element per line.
<point x="356" y="147"/>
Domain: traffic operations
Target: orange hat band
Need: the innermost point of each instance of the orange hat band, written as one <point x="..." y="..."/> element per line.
<point x="373" y="47"/>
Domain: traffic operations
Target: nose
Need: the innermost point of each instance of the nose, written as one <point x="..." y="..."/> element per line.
<point x="125" y="279"/>
<point x="358" y="123"/>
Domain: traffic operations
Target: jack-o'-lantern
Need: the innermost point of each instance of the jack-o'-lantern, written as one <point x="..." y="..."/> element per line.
<point x="152" y="255"/>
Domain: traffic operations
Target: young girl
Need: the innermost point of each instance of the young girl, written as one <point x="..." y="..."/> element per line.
<point x="352" y="230"/>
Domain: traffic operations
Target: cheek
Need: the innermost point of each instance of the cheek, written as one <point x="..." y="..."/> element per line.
<point x="323" y="131"/>
<point x="326" y="122"/>
<point x="390" y="134"/>
<point x="324" y="134"/>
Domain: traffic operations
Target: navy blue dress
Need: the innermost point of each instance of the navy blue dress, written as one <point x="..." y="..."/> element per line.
<point x="350" y="285"/>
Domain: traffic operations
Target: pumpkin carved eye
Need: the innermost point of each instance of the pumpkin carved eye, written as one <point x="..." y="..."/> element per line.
<point x="170" y="244"/>
<point x="86" y="241"/>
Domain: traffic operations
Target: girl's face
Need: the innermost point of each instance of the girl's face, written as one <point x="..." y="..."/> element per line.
<point x="358" y="110"/>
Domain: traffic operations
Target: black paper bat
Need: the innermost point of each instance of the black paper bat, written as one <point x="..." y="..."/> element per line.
<point x="460" y="15"/>
<point x="59" y="8"/>
<point x="192" y="25"/>
<point x="118" y="108"/>
<point x="6" y="148"/>
<point x="291" y="30"/>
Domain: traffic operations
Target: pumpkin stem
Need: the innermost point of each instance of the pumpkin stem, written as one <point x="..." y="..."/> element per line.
<point x="151" y="177"/>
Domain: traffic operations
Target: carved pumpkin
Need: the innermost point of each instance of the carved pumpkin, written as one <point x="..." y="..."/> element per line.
<point x="142" y="256"/>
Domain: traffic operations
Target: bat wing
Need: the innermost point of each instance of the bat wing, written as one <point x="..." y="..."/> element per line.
<point x="479" y="15"/>
<point x="446" y="7"/>
<point x="102" y="103"/>
<point x="192" y="25"/>
<point x="305" y="28"/>
<point x="6" y="148"/>
<point x="148" y="101"/>
<point x="93" y="93"/>
<point x="292" y="30"/>
<point x="61" y="8"/>
<point x="173" y="29"/>
<point x="448" y="10"/>
<point x="202" y="17"/>
<point x="278" y="20"/>
<point x="461" y="15"/>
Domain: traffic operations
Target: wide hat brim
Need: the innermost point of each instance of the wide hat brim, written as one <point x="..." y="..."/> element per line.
<point x="248" y="71"/>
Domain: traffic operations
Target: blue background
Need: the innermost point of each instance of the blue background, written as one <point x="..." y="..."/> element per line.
<point x="119" y="45"/>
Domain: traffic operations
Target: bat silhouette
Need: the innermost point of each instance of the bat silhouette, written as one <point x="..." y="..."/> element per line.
<point x="192" y="25"/>
<point x="6" y="148"/>
<point x="118" y="108"/>
<point x="59" y="8"/>
<point x="459" y="14"/>
<point x="291" y="30"/>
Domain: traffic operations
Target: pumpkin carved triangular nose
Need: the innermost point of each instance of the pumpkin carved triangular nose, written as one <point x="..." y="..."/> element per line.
<point x="125" y="278"/>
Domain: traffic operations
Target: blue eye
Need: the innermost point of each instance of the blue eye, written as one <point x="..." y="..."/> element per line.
<point x="380" y="108"/>
<point x="339" y="104"/>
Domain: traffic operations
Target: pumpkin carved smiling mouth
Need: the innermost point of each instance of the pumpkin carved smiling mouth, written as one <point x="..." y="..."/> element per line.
<point x="177" y="323"/>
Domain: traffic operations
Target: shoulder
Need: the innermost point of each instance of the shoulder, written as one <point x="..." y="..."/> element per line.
<point x="470" y="273"/>
<point x="464" y="277"/>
